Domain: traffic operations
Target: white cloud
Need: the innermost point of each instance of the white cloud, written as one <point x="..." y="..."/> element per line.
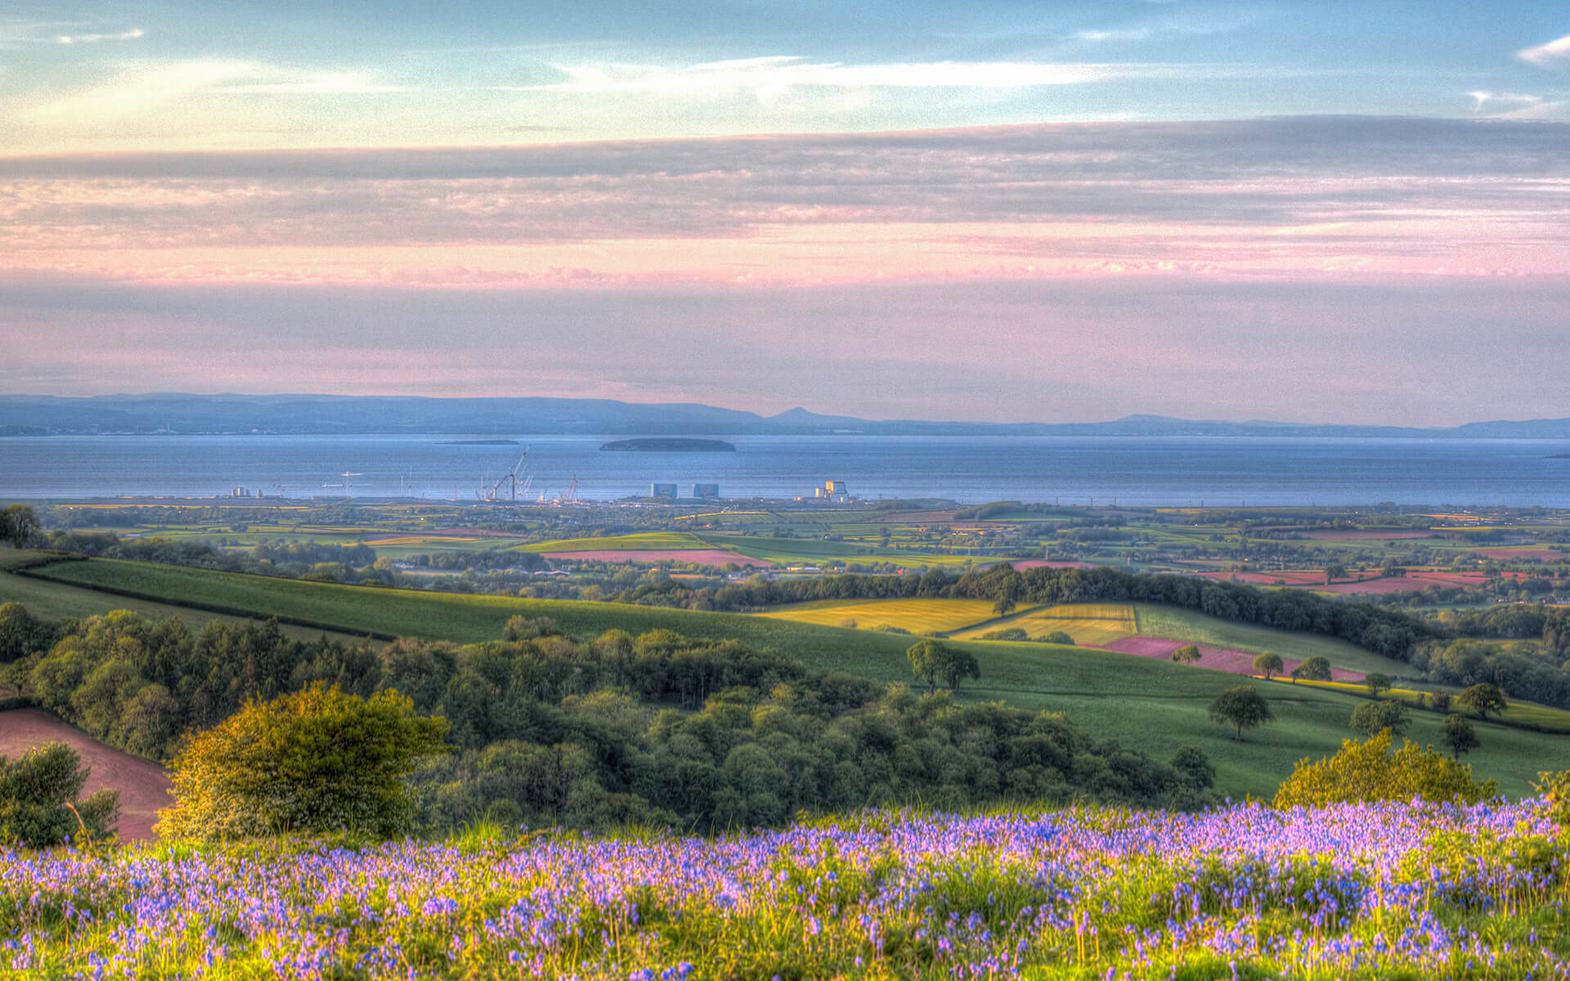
<point x="1553" y="54"/>
<point x="133" y="34"/>
<point x="1513" y="105"/>
<point x="778" y="72"/>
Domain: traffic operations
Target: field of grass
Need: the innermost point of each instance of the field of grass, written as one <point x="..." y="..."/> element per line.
<point x="1190" y="625"/>
<point x="640" y="541"/>
<point x="1146" y="704"/>
<point x="61" y="601"/>
<point x="1088" y="623"/>
<point x="918" y="616"/>
<point x="1521" y="713"/>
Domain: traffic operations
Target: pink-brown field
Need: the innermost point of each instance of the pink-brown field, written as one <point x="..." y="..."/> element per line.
<point x="1290" y="577"/>
<point x="1522" y="554"/>
<point x="1214" y="658"/>
<point x="701" y="556"/>
<point x="143" y="786"/>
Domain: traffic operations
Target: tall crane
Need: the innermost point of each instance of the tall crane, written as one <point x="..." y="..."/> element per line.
<point x="508" y="480"/>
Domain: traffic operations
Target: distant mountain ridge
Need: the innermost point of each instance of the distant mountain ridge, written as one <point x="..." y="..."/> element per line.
<point x="174" y="413"/>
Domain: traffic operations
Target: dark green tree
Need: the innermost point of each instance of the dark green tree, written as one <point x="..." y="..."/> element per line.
<point x="1241" y="708"/>
<point x="1316" y="668"/>
<point x="1377" y="683"/>
<point x="40" y="804"/>
<point x="1268" y="665"/>
<point x="19" y="525"/>
<point x="1484" y="698"/>
<point x="1187" y="654"/>
<point x="933" y="662"/>
<point x="1371" y="718"/>
<point x="1458" y="735"/>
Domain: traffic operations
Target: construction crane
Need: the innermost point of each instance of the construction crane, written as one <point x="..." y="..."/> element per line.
<point x="508" y="480"/>
<point x="572" y="491"/>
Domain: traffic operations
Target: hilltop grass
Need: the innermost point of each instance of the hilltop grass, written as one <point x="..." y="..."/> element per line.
<point x="918" y="616"/>
<point x="1144" y="703"/>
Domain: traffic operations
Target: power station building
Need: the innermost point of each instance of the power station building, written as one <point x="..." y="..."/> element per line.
<point x="706" y="492"/>
<point x="663" y="491"/>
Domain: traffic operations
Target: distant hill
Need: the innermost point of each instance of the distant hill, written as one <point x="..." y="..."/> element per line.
<point x="41" y="415"/>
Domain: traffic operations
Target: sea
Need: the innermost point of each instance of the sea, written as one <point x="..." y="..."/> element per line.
<point x="1094" y="470"/>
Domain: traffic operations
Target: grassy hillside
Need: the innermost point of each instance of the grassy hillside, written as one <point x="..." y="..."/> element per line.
<point x="919" y="616"/>
<point x="1146" y="704"/>
<point x="62" y="601"/>
<point x="1190" y="625"/>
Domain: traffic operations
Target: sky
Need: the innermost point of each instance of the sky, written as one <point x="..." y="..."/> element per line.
<point x="1317" y="211"/>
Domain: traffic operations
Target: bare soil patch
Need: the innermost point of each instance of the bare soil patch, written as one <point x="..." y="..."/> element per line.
<point x="143" y="786"/>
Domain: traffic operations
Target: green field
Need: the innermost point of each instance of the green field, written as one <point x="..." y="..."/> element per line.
<point x="918" y="616"/>
<point x="1088" y="623"/>
<point x="1143" y="703"/>
<point x="1190" y="625"/>
<point x="60" y="601"/>
<point x="1522" y="713"/>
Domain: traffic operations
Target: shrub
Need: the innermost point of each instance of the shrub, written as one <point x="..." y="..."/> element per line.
<point x="314" y="761"/>
<point x="1060" y="637"/>
<point x="1369" y="771"/>
<point x="1187" y="654"/>
<point x="40" y="804"/>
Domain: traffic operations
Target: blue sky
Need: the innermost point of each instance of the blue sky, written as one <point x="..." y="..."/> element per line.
<point x="1318" y="211"/>
<point x="204" y="74"/>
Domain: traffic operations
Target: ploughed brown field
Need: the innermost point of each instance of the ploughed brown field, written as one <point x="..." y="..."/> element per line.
<point x="143" y="786"/>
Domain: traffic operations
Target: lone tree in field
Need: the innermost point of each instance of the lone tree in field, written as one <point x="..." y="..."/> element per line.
<point x="40" y="800"/>
<point x="932" y="662"/>
<point x="1004" y="606"/>
<point x="1316" y="668"/>
<point x="314" y="761"/>
<point x="1376" y="683"/>
<point x="1485" y="699"/>
<point x="1371" y="718"/>
<point x="1241" y="708"/>
<point x="1187" y="654"/>
<point x="1458" y="736"/>
<point x="1268" y="665"/>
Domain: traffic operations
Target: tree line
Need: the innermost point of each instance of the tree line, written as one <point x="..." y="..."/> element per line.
<point x="593" y="732"/>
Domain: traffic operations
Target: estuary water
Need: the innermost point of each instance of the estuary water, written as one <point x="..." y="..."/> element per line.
<point x="1070" y="470"/>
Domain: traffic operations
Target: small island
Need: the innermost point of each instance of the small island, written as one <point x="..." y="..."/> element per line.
<point x="664" y="444"/>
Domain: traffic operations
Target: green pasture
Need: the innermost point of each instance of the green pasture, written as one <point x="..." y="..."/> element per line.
<point x="1196" y="627"/>
<point x="1143" y="703"/>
